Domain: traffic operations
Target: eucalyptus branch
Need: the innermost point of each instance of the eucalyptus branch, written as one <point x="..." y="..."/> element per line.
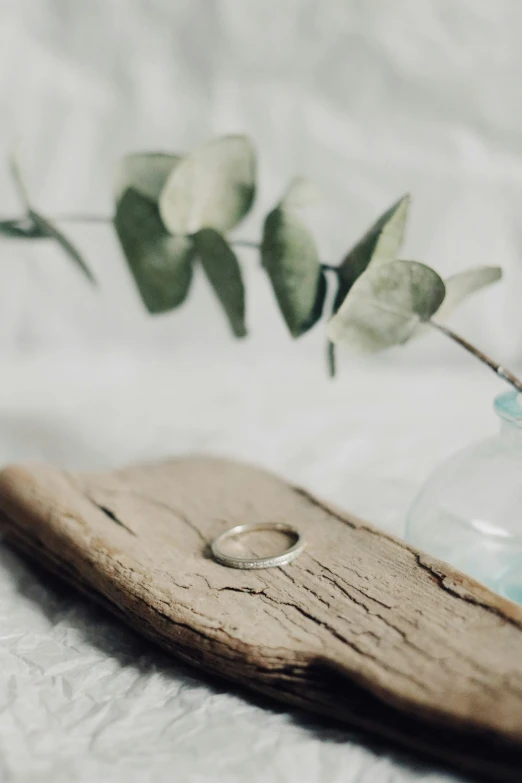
<point x="171" y="211"/>
<point x="506" y="375"/>
<point x="105" y="219"/>
<point x="25" y="220"/>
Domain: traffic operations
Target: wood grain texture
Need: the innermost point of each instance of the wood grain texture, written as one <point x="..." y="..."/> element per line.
<point x="361" y="627"/>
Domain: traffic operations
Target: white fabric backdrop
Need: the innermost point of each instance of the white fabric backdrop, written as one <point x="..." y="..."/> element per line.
<point x="370" y="99"/>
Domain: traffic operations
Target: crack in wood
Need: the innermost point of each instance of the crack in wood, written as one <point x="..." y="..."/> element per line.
<point x="463" y="595"/>
<point x="439" y="575"/>
<point x="357" y="602"/>
<point x="112" y="515"/>
<point x="364" y="653"/>
<point x="337" y="576"/>
<point x="314" y="501"/>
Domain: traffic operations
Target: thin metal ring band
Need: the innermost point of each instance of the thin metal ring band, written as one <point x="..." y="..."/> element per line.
<point x="257" y="562"/>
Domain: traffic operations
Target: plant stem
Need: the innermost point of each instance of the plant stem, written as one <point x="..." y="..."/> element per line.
<point x="64" y="219"/>
<point x="83" y="219"/>
<point x="245" y="243"/>
<point x="330" y="358"/>
<point x="76" y="218"/>
<point x="506" y="375"/>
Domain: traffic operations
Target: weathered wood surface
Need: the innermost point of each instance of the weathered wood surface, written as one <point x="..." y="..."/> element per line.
<point x="360" y="627"/>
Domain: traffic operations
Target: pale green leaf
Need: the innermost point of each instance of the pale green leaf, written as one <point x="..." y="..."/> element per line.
<point x="212" y="187"/>
<point x="47" y="228"/>
<point x="387" y="234"/>
<point x="289" y="255"/>
<point x="301" y="192"/>
<point x="145" y="172"/>
<point x="18" y="178"/>
<point x="381" y="244"/>
<point x="223" y="271"/>
<point x="160" y="263"/>
<point x="464" y="284"/>
<point x="385" y="306"/>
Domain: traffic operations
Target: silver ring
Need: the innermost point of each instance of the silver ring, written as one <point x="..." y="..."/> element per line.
<point x="257" y="562"/>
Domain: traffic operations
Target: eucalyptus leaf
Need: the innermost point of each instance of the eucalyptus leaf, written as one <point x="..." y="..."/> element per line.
<point x="48" y="229"/>
<point x="301" y="192"/>
<point x="223" y="271"/>
<point x="40" y="226"/>
<point x="212" y="187"/>
<point x="386" y="305"/>
<point x="381" y="244"/>
<point x="289" y="255"/>
<point x="160" y="263"/>
<point x="23" y="228"/>
<point x="145" y="172"/>
<point x="464" y="284"/>
<point x="18" y="178"/>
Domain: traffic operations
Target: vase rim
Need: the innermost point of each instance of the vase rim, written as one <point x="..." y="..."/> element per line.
<point x="508" y="406"/>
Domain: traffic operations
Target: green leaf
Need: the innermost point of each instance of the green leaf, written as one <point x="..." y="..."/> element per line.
<point x="19" y="182"/>
<point x="464" y="284"/>
<point x="160" y="263"/>
<point x="223" y="271"/>
<point x="43" y="226"/>
<point x="22" y="228"/>
<point x="301" y="192"/>
<point x="386" y="305"/>
<point x="289" y="255"/>
<point x="212" y="187"/>
<point x="48" y="229"/>
<point x="145" y="172"/>
<point x="380" y="245"/>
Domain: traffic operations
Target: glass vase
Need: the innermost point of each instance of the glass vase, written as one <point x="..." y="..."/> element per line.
<point x="469" y="511"/>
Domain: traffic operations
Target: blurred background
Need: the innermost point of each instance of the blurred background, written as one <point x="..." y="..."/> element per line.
<point x="370" y="99"/>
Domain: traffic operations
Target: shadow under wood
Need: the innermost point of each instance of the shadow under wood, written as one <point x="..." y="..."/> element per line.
<point x="480" y="752"/>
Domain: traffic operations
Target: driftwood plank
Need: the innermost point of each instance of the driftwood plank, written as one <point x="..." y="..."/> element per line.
<point x="360" y="627"/>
